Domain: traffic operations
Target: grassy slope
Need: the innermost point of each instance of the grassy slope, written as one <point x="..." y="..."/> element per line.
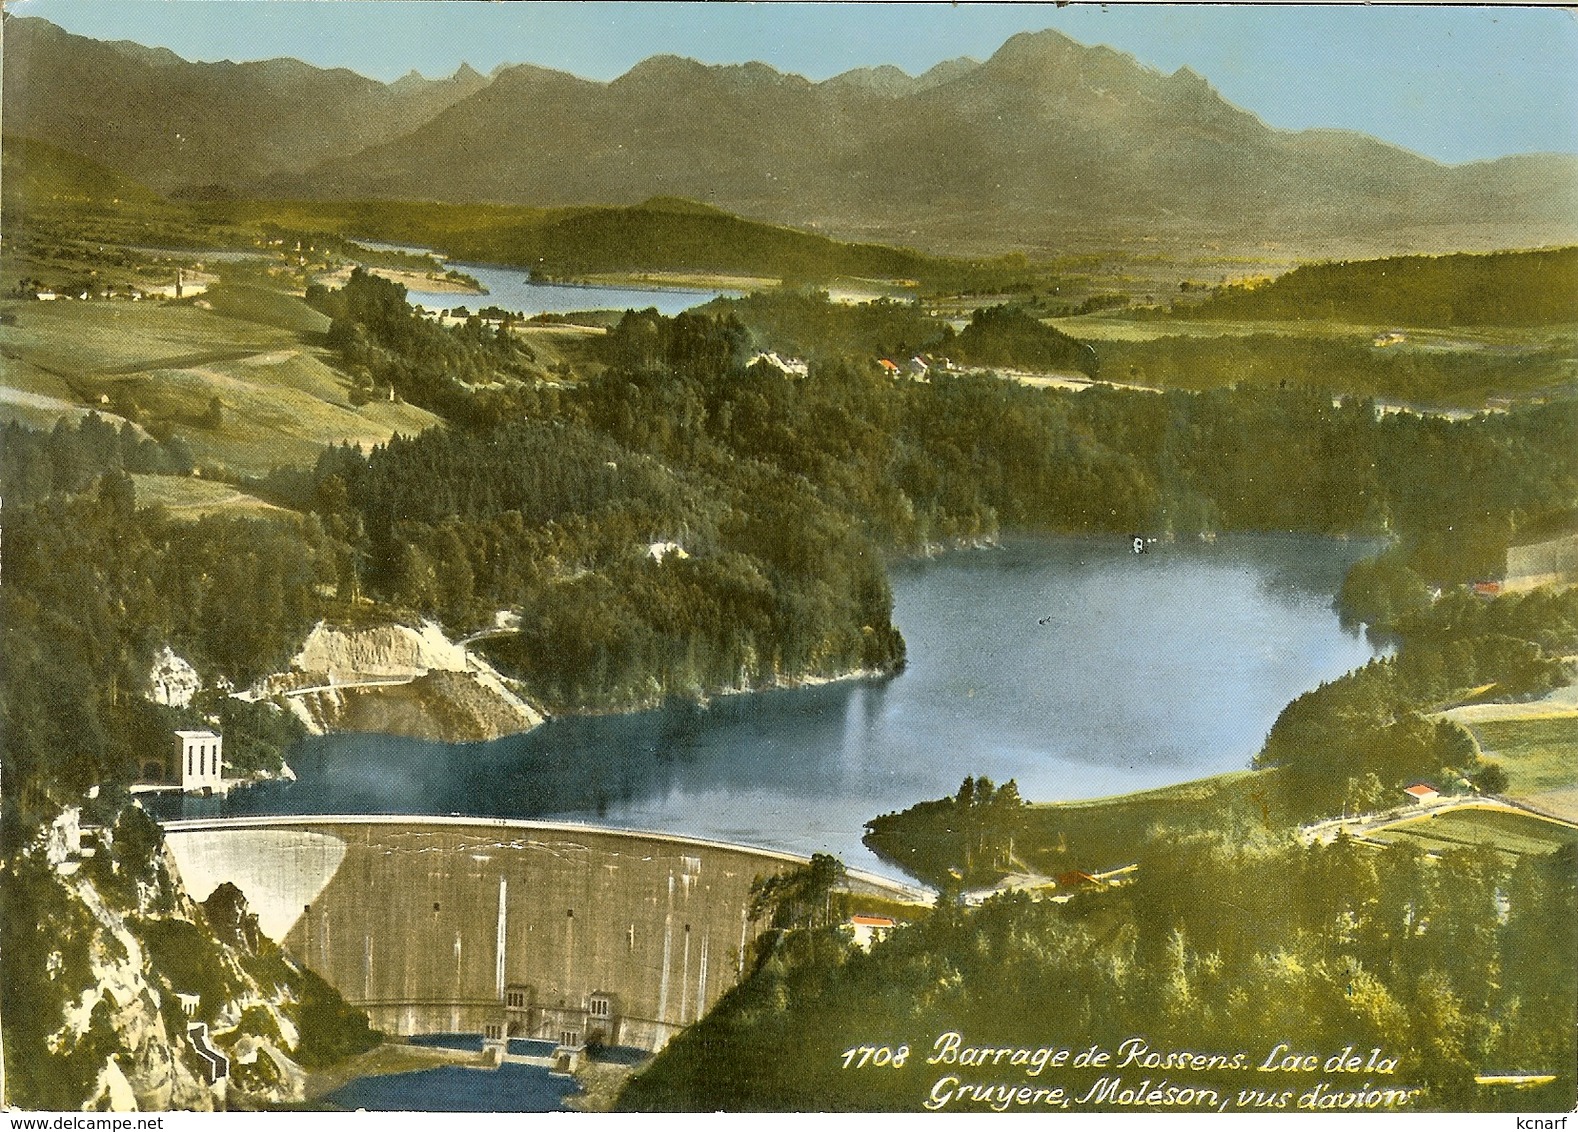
<point x="268" y="308"/>
<point x="1122" y="326"/>
<point x="190" y="498"/>
<point x="1538" y="754"/>
<point x="1102" y="833"/>
<point x="281" y="401"/>
<point x="35" y="171"/>
<point x="1540" y="757"/>
<point x="1474" y="328"/>
<point x="1461" y="367"/>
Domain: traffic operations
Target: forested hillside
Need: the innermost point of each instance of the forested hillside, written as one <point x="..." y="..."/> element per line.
<point x="663" y="234"/>
<point x="1536" y="288"/>
<point x="1202" y="971"/>
<point x="667" y="234"/>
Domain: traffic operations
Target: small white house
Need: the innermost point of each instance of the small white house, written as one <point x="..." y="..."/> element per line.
<point x="202" y="762"/>
<point x="868" y="929"/>
<point x="1422" y="793"/>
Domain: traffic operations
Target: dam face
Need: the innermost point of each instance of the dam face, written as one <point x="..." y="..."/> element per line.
<point x="507" y="928"/>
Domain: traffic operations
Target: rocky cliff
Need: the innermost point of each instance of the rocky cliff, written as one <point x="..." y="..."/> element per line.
<point x="400" y="680"/>
<point x="101" y="1010"/>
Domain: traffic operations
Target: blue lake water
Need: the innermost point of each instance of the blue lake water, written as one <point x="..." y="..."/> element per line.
<point x="1073" y="665"/>
<point x="511" y="289"/>
<point x="456" y="1088"/>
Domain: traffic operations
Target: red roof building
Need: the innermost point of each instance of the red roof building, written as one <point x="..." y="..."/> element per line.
<point x="868" y="929"/>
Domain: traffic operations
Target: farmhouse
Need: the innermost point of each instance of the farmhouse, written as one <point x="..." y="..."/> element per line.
<point x="1422" y="793"/>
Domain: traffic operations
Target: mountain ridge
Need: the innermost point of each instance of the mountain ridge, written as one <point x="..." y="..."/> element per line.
<point x="170" y="123"/>
<point x="1130" y="148"/>
<point x="1046" y="142"/>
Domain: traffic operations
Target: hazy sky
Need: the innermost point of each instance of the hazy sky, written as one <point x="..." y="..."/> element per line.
<point x="1456" y="83"/>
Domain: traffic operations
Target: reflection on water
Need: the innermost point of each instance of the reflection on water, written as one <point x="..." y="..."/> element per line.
<point x="1073" y="665"/>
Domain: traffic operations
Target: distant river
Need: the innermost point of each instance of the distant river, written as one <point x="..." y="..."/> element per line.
<point x="511" y="289"/>
<point x="1075" y="666"/>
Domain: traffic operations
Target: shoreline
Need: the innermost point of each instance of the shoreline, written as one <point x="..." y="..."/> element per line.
<point x="410" y="280"/>
<point x="671" y="281"/>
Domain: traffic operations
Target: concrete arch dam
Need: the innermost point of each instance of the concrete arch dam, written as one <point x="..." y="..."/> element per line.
<point x="544" y="930"/>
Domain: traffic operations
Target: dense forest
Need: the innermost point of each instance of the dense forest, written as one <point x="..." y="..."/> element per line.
<point x="471" y="374"/>
<point x="1536" y="288"/>
<point x="635" y="581"/>
<point x="806" y="322"/>
<point x="1452" y="967"/>
<point x="94" y="588"/>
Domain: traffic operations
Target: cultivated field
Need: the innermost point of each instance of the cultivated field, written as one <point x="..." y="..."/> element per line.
<point x="1513" y="833"/>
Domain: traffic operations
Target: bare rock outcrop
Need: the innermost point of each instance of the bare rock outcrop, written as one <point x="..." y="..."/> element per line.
<point x="134" y="966"/>
<point x="398" y="680"/>
<point x="173" y="681"/>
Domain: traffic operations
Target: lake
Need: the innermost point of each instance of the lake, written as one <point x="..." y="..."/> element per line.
<point x="511" y="289"/>
<point x="1073" y="665"/>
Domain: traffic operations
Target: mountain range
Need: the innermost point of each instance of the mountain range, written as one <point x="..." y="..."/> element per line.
<point x="180" y="126"/>
<point x="1047" y="144"/>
